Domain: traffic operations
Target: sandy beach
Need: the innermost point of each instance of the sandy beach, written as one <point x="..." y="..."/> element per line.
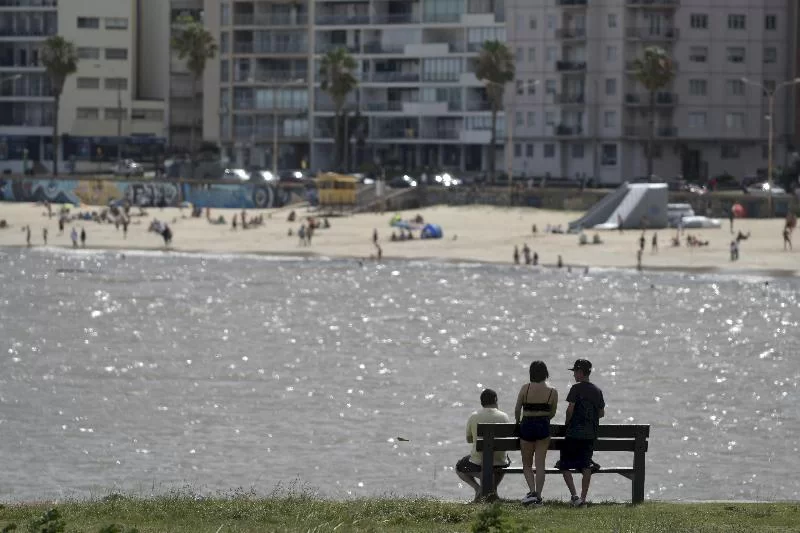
<point x="474" y="233"/>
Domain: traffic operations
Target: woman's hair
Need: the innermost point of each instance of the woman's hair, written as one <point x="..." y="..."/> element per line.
<point x="539" y="372"/>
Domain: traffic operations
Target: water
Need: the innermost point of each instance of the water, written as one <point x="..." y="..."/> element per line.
<point x="152" y="372"/>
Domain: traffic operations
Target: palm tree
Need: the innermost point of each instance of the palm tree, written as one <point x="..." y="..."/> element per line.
<point x="495" y="68"/>
<point x="60" y="60"/>
<point x="196" y="45"/>
<point x="337" y="79"/>
<point x="654" y="70"/>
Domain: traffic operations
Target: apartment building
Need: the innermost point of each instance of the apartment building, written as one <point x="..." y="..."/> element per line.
<point x="418" y="102"/>
<point x="26" y="107"/>
<point x="577" y="110"/>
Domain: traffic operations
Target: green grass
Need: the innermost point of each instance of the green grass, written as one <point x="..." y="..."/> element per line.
<point x="241" y="512"/>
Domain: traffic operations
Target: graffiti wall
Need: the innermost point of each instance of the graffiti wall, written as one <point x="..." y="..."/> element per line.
<point x="144" y="193"/>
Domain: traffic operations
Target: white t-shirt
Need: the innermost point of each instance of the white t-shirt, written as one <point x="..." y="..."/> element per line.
<point x="487" y="415"/>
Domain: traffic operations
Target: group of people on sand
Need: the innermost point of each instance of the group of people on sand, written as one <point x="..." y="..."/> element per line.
<point x="308" y="228"/>
<point x="536" y="406"/>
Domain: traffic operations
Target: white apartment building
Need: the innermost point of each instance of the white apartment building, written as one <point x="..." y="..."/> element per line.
<point x="26" y="107"/>
<point x="418" y="102"/>
<point x="588" y="116"/>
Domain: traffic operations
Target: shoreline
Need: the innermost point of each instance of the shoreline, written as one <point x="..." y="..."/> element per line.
<point x="312" y="256"/>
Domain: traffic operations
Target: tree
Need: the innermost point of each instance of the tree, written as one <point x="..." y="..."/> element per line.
<point x="654" y="70"/>
<point x="196" y="46"/>
<point x="495" y="68"/>
<point x="60" y="60"/>
<point x="337" y="79"/>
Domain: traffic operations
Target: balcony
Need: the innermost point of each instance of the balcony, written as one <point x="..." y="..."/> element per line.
<point x="663" y="99"/>
<point x="342" y="20"/>
<point x="442" y="133"/>
<point x="28" y="4"/>
<point x="567" y="99"/>
<point x="566" y="130"/>
<point x="27" y="32"/>
<point x="383" y="106"/>
<point x="397" y="132"/>
<point x="655" y="4"/>
<point x="630" y="66"/>
<point x="662" y="132"/>
<point x="572" y="3"/>
<point x="324" y="48"/>
<point x="571" y="34"/>
<point x="479" y="106"/>
<point x="374" y="47"/>
<point x="390" y="77"/>
<point x="395" y="18"/>
<point x="280" y="76"/>
<point x="570" y="66"/>
<point x="646" y="33"/>
<point x="270" y="19"/>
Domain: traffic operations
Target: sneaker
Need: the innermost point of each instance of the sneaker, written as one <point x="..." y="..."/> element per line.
<point x="574" y="499"/>
<point x="529" y="498"/>
<point x="577" y="502"/>
<point x="538" y="502"/>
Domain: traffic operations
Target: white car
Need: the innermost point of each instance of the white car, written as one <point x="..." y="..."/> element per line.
<point x="128" y="167"/>
<point x="765" y="188"/>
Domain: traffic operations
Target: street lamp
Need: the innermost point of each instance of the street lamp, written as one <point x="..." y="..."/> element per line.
<point x="289" y="83"/>
<point x="771" y="106"/>
<point x="509" y="133"/>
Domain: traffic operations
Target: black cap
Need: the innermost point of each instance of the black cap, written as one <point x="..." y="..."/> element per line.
<point x="582" y="364"/>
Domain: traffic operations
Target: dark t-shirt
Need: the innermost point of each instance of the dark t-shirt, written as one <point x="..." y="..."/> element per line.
<point x="588" y="400"/>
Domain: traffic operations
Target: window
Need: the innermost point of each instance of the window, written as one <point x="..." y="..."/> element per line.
<point x="698" y="21"/>
<point x="729" y="151"/>
<point x="549" y="150"/>
<point x="87" y="113"/>
<point x="518" y="119"/>
<point x="611" y="86"/>
<point x="518" y="56"/>
<point x="550" y="87"/>
<point x="531" y="86"/>
<point x="734" y="121"/>
<point x="697" y="119"/>
<point x="224" y="42"/>
<point x="609" y="155"/>
<point x="520" y="87"/>
<point x="551" y="22"/>
<point x="735" y="54"/>
<point x="550" y="118"/>
<point x="89" y="23"/>
<point x="532" y="23"/>
<point x="698" y="87"/>
<point x="736" y="22"/>
<point x="610" y="119"/>
<point x="735" y="87"/>
<point x="529" y="150"/>
<point x="577" y="151"/>
<point x="531" y="54"/>
<point x="611" y="53"/>
<point x="612" y="20"/>
<point x="698" y="54"/>
<point x="116" y="23"/>
<point x="551" y="53"/>
<point x="152" y="115"/>
<point x="224" y="13"/>
<point x="116" y="53"/>
<point x="114" y="84"/>
<point x="770" y="22"/>
<point x="517" y="150"/>
<point x="86" y="52"/>
<point x="224" y="71"/>
<point x="113" y="113"/>
<point x="531" y="119"/>
<point x="770" y="54"/>
<point x="88" y="83"/>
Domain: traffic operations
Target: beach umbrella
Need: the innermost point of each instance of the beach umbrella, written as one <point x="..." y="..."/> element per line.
<point x="738" y="211"/>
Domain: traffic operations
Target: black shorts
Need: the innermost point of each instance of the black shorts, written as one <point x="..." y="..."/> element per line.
<point x="576" y="454"/>
<point x="466" y="466"/>
<point x="533" y="428"/>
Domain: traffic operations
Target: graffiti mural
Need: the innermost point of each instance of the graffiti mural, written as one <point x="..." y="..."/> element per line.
<point x="144" y="193"/>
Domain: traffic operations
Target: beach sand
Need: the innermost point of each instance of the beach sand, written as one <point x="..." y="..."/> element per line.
<point x="473" y="233"/>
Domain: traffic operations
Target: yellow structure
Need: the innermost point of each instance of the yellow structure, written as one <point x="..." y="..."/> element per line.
<point x="336" y="190"/>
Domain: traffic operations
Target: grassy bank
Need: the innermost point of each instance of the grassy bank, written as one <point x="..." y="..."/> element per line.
<point x="243" y="513"/>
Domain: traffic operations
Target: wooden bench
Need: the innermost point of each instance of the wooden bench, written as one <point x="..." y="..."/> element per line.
<point x="611" y="438"/>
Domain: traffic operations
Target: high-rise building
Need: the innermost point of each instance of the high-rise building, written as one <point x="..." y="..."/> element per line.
<point x="26" y="104"/>
<point x="588" y="115"/>
<point x="418" y="102"/>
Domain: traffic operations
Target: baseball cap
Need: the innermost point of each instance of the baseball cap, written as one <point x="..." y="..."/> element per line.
<point x="582" y="364"/>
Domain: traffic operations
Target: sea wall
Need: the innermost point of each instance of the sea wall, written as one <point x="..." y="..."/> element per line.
<point x="100" y="191"/>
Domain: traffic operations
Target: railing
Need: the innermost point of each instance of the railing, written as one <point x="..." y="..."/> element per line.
<point x="567" y="130"/>
<point x="243" y="48"/>
<point x="662" y="99"/>
<point x="441" y="17"/>
<point x="440" y="76"/>
<point x="653" y="3"/>
<point x="34" y="123"/>
<point x="652" y="34"/>
<point x="374" y="47"/>
<point x="660" y="132"/>
<point x="571" y="33"/>
<point x="27" y="32"/>
<point x="18" y="64"/>
<point x="569" y="98"/>
<point x="398" y="133"/>
<point x="570" y="66"/>
<point x="324" y="48"/>
<point x="479" y="106"/>
<point x="269" y="19"/>
<point x="572" y="3"/>
<point x="403" y="18"/>
<point x="631" y="65"/>
<point x="383" y="106"/>
<point x="280" y="48"/>
<point x="29" y="3"/>
<point x="382" y="77"/>
<point x="279" y="76"/>
<point x="335" y="20"/>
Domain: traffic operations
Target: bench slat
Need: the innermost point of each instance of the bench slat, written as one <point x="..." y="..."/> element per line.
<point x="613" y="445"/>
<point x="622" y="471"/>
<point x="605" y="431"/>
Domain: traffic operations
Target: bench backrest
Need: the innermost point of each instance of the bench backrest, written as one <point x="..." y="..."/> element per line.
<point x="611" y="437"/>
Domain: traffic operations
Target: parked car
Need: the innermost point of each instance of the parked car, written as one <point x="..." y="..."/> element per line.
<point x="766" y="188"/>
<point x="402" y="182"/>
<point x="127" y="167"/>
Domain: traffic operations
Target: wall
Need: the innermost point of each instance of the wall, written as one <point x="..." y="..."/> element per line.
<point x="145" y="193"/>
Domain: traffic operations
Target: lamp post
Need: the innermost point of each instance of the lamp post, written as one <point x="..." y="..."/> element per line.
<point x="290" y="83"/>
<point x="770" y="117"/>
<point x="510" y="134"/>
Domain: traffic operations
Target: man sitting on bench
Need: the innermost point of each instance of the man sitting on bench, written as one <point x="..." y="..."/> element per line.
<point x="469" y="467"/>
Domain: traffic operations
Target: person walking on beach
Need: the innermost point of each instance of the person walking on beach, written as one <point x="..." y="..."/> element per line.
<point x="526" y="254"/>
<point x="787" y="238"/>
<point x="560" y="262"/>
<point x="375" y="236"/>
<point x="468" y="468"/>
<point x="642" y="242"/>
<point x="586" y="408"/>
<point x="730" y="217"/>
<point x="516" y="255"/>
<point x="619" y="222"/>
<point x="44" y="236"/>
<point x="125" y="228"/>
<point x="655" y="243"/>
<point x="536" y="406"/>
<point x="74" y="236"/>
<point x="83" y="237"/>
<point x="28" y="234"/>
<point x="535" y="258"/>
<point x="60" y="225"/>
<point x="639" y="259"/>
<point x="301" y="233"/>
